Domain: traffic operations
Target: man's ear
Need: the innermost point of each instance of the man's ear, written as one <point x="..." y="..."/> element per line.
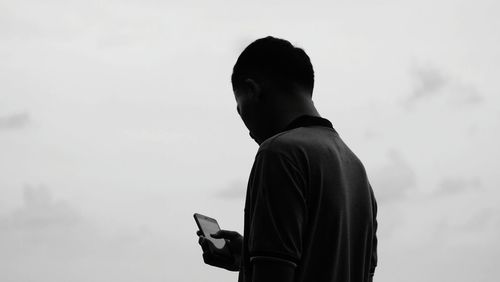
<point x="253" y="88"/>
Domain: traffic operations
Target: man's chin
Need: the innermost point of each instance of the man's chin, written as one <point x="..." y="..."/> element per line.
<point x="256" y="139"/>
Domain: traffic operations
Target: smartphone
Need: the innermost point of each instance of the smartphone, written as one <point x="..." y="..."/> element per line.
<point x="207" y="226"/>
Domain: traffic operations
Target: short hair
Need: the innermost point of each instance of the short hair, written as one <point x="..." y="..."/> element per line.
<point x="275" y="59"/>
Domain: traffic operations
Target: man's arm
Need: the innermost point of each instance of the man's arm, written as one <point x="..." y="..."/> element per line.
<point x="374" y="257"/>
<point x="272" y="271"/>
<point x="278" y="218"/>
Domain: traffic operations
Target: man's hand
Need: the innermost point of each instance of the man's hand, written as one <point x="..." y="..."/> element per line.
<point x="234" y="243"/>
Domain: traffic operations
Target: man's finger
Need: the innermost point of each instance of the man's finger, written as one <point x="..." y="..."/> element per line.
<point x="206" y="245"/>
<point x="226" y="234"/>
<point x="199" y="233"/>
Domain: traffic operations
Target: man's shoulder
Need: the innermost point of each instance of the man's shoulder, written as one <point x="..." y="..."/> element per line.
<point x="298" y="139"/>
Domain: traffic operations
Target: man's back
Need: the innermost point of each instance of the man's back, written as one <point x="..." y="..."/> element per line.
<point x="309" y="204"/>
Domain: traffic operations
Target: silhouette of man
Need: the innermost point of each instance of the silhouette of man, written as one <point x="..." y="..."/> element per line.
<point x="310" y="212"/>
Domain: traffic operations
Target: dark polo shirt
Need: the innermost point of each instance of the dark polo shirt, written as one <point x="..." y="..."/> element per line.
<point x="309" y="205"/>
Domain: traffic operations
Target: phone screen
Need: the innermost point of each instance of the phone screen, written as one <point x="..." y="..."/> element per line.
<point x="209" y="226"/>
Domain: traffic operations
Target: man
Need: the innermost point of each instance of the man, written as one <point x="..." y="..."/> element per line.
<point x="310" y="213"/>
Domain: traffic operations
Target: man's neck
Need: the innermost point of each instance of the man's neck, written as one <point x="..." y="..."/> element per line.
<point x="294" y="109"/>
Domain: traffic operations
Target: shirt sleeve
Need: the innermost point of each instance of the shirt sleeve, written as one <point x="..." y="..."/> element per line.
<point x="278" y="210"/>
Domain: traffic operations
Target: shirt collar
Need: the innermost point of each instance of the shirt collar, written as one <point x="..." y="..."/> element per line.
<point x="307" y="120"/>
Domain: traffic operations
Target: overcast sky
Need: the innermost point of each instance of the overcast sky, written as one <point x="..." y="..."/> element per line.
<point x="117" y="123"/>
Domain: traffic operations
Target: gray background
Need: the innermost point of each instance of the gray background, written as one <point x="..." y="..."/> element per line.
<point x="117" y="123"/>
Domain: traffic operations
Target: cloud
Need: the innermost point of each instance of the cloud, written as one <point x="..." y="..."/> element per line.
<point x="464" y="94"/>
<point x="14" y="121"/>
<point x="430" y="82"/>
<point x="49" y="240"/>
<point x="451" y="186"/>
<point x="393" y="180"/>
<point x="40" y="211"/>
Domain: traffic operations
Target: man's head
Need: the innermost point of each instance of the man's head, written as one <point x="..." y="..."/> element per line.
<point x="275" y="60"/>
<point x="270" y="79"/>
